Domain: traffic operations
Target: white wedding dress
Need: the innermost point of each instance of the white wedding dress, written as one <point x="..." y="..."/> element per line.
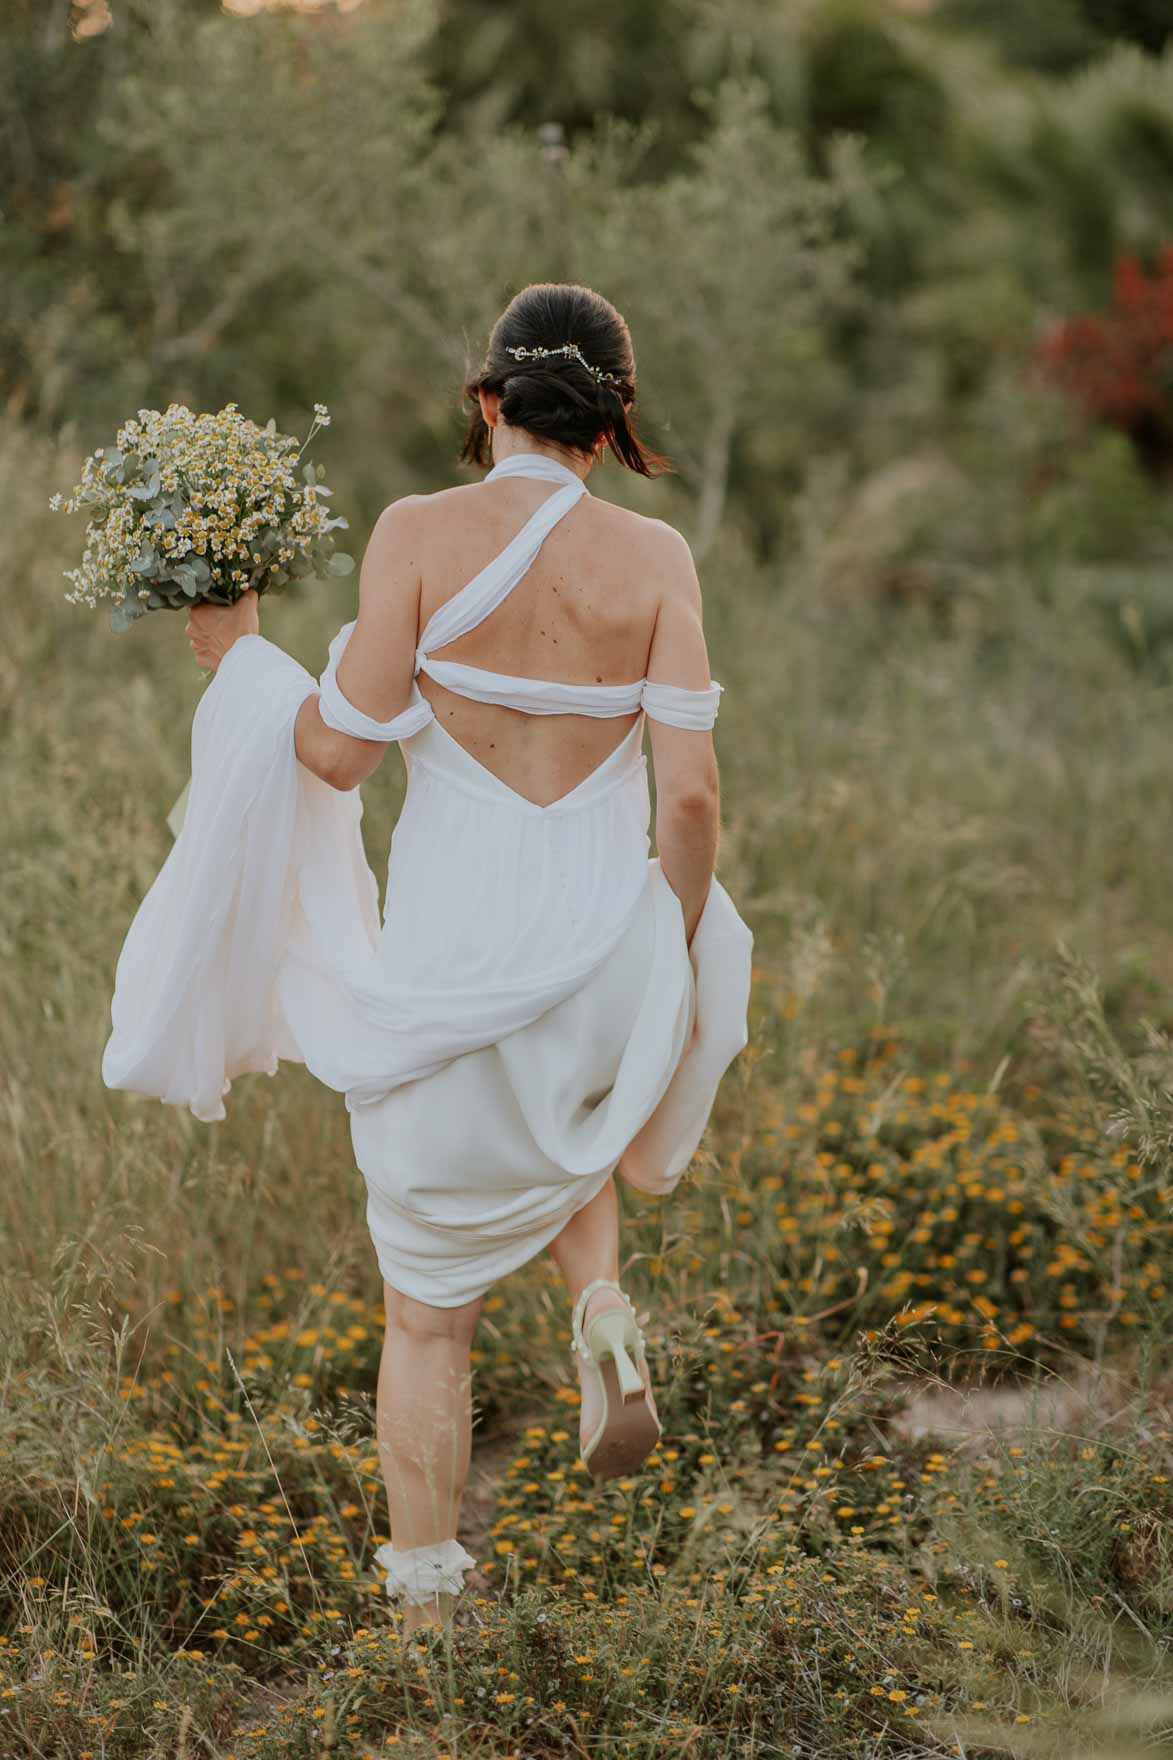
<point x="526" y="1018"/>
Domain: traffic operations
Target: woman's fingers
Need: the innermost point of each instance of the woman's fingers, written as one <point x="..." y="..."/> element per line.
<point x="211" y="629"/>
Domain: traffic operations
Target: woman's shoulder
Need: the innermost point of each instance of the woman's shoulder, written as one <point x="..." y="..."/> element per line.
<point x="666" y="558"/>
<point x="655" y="548"/>
<point x="654" y="542"/>
<point x="653" y="551"/>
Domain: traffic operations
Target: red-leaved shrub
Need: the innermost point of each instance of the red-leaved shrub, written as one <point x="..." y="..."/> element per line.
<point x="1118" y="365"/>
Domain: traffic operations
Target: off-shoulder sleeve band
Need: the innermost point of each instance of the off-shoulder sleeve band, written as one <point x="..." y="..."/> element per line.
<point x="693" y="710"/>
<point x="338" y="712"/>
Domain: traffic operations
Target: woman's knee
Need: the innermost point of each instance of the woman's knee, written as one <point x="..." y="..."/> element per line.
<point x="422" y="1321"/>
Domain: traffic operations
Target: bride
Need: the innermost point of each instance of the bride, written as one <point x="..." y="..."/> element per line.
<point x="541" y="1005"/>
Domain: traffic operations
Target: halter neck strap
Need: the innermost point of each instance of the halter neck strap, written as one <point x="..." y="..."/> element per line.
<point x="535" y="464"/>
<point x="481" y="595"/>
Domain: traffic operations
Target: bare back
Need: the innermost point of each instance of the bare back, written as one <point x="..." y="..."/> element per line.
<point x="584" y="613"/>
<point x="610" y="598"/>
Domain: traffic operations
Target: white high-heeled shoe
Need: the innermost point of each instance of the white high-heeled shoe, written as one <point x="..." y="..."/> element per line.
<point x="611" y="1348"/>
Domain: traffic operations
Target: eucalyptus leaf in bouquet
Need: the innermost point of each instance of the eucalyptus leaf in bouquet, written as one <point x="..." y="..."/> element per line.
<point x="185" y="509"/>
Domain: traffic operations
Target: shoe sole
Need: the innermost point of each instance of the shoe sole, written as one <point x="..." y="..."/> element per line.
<point x="631" y="1432"/>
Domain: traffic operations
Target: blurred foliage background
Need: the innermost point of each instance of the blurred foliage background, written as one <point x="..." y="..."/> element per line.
<point x="837" y="229"/>
<point x="901" y="289"/>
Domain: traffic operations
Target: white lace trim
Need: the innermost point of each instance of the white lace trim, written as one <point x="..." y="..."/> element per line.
<point x="422" y="1572"/>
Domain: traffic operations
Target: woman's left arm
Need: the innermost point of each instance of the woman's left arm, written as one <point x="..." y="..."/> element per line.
<point x="378" y="665"/>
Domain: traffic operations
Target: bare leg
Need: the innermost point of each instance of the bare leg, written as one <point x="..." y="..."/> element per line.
<point x="424" y="1425"/>
<point x="588" y="1247"/>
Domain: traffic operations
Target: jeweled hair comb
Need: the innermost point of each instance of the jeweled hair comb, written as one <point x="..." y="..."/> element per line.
<point x="566" y="348"/>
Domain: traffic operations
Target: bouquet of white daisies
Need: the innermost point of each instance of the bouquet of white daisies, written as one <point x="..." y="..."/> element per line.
<point x="188" y="508"/>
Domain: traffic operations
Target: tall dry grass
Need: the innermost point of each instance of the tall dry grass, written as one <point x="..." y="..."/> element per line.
<point x="909" y="1180"/>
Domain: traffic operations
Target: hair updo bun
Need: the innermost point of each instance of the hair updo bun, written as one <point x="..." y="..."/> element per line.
<point x="558" y="398"/>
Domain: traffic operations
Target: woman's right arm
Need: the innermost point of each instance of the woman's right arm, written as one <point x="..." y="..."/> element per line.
<point x="688" y="803"/>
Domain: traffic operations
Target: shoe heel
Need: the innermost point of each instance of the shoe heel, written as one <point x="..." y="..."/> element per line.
<point x="613" y="1334"/>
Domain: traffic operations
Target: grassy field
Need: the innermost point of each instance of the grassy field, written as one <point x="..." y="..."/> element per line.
<point x="910" y="1313"/>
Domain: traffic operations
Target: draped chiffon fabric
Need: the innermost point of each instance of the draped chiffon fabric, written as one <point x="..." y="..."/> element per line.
<point x="522" y="1019"/>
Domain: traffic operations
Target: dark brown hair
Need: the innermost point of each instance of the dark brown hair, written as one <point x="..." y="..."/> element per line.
<point x="558" y="399"/>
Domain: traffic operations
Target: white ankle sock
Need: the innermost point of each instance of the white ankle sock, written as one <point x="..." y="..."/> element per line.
<point x="420" y="1573"/>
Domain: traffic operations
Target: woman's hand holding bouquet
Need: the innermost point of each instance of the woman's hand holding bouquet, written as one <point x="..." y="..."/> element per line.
<point x="203" y="512"/>
<point x="212" y="629"/>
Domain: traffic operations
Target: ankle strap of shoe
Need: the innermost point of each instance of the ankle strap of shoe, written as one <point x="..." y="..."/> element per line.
<point x="578" y="1344"/>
